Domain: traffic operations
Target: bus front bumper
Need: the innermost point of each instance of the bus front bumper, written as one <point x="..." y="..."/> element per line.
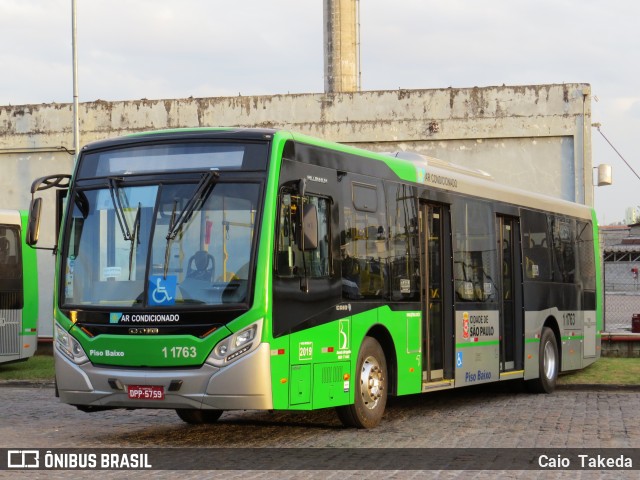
<point x="242" y="385"/>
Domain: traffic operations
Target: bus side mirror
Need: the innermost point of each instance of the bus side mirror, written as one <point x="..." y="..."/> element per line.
<point x="309" y="230"/>
<point x="302" y="187"/>
<point x="33" y="227"/>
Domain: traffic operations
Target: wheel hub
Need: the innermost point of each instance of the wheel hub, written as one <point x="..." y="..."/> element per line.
<point x="371" y="382"/>
<point x="549" y="361"/>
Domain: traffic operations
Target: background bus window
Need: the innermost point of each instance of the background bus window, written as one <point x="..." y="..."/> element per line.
<point x="584" y="241"/>
<point x="363" y="243"/>
<point x="291" y="260"/>
<point x="535" y="246"/>
<point x="10" y="260"/>
<point x="404" y="253"/>
<point x="474" y="252"/>
<point x="563" y="234"/>
<point x="11" y="283"/>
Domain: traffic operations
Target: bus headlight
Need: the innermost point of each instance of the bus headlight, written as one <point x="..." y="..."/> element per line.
<point x="69" y="346"/>
<point x="237" y="345"/>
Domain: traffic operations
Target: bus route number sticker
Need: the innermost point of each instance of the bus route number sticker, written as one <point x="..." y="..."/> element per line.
<point x="305" y="350"/>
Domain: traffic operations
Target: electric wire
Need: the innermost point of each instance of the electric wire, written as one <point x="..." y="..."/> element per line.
<point x="619" y="154"/>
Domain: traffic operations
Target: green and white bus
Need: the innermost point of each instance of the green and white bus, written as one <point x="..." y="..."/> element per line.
<point x="205" y="270"/>
<point x="18" y="290"/>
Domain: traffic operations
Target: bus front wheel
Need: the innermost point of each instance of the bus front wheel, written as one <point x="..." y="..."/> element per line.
<point x="198" y="417"/>
<point x="549" y="364"/>
<point x="370" y="388"/>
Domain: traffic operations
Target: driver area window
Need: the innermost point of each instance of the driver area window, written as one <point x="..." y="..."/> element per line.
<point x="293" y="259"/>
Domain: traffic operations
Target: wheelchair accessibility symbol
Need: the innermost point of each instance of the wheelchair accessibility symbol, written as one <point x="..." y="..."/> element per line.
<point x="459" y="360"/>
<point x="162" y="291"/>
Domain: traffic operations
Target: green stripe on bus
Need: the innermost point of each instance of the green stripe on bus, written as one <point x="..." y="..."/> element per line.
<point x="477" y="344"/>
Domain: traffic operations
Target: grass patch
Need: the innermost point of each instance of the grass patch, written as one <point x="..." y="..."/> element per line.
<point x="39" y="367"/>
<point x="606" y="371"/>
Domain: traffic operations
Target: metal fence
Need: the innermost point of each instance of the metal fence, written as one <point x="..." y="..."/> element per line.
<point x="619" y="309"/>
<point x="622" y="296"/>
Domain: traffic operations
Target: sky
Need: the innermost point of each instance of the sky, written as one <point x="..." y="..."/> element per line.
<point x="157" y="49"/>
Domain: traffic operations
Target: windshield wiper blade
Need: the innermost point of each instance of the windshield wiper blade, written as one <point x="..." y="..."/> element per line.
<point x="114" y="190"/>
<point x="166" y="249"/>
<point x="203" y="190"/>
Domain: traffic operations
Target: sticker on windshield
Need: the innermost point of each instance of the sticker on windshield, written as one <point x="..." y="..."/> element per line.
<point x="68" y="278"/>
<point x="162" y="291"/>
<point x="111" y="272"/>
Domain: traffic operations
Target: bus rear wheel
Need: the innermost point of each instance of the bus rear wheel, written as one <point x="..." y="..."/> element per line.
<point x="198" y="417"/>
<point x="549" y="364"/>
<point x="370" y="388"/>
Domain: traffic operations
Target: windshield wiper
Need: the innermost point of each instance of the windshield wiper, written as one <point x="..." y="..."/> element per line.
<point x="135" y="237"/>
<point x="203" y="190"/>
<point x="114" y="190"/>
<point x="166" y="249"/>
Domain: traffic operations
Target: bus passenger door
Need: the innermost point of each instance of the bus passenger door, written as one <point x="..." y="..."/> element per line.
<point x="438" y="327"/>
<point x="510" y="302"/>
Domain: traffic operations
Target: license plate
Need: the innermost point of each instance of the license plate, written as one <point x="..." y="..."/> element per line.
<point x="146" y="392"/>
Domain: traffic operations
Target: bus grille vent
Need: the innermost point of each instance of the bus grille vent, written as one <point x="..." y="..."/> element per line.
<point x="10" y="332"/>
<point x="331" y="374"/>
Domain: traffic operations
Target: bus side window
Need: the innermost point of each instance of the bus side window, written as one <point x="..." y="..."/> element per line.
<point x="535" y="247"/>
<point x="563" y="235"/>
<point x="584" y="240"/>
<point x="404" y="254"/>
<point x="317" y="260"/>
<point x="363" y="241"/>
<point x="475" y="255"/>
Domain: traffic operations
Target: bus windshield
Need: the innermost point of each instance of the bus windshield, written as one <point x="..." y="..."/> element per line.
<point x="178" y="244"/>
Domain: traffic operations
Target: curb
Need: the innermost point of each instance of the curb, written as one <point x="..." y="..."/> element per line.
<point x="28" y="383"/>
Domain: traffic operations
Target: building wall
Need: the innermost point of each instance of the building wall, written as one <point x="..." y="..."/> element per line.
<point x="536" y="137"/>
<point x="613" y="235"/>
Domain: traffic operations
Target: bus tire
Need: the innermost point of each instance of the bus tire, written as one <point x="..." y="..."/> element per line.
<point x="549" y="364"/>
<point x="198" y="417"/>
<point x="370" y="388"/>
